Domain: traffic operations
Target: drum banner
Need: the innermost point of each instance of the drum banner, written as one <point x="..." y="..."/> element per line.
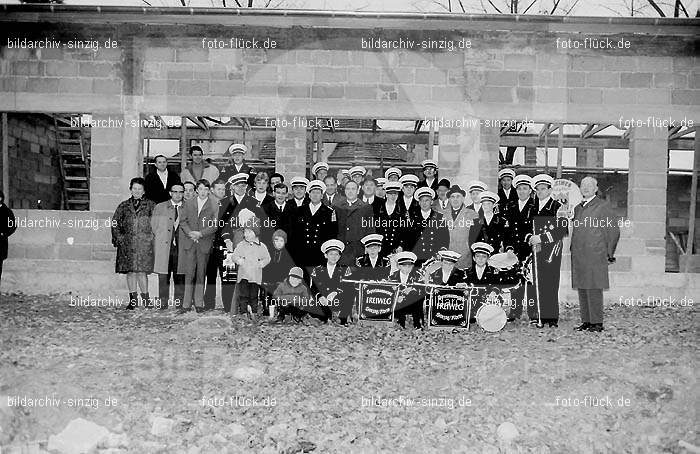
<point x="448" y="307"/>
<point x="376" y="301"/>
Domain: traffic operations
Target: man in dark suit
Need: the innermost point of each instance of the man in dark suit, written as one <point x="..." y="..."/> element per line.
<point x="160" y="180"/>
<point x="593" y="242"/>
<point x="331" y="197"/>
<point x="197" y="228"/>
<point x="354" y="223"/>
<point x="7" y="228"/>
<point x="279" y="211"/>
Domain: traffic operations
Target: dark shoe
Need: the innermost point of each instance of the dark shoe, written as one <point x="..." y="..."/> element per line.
<point x="147" y="303"/>
<point x="199" y="310"/>
<point x="343" y="321"/>
<point x="596" y="327"/>
<point x="553" y="323"/>
<point x="582" y="327"/>
<point x="183" y="310"/>
<point x="133" y="300"/>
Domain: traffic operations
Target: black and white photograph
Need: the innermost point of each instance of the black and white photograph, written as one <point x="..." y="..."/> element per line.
<point x="314" y="226"/>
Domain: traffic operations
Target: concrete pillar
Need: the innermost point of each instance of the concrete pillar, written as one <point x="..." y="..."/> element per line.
<point x="590" y="157"/>
<point x="290" y="146"/>
<point x="107" y="158"/>
<point x="646" y="197"/>
<point x="469" y="154"/>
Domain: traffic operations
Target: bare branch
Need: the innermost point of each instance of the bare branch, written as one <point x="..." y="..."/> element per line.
<point x="461" y="5"/>
<point x="556" y="4"/>
<point x="656" y="7"/>
<point x="146" y="2"/>
<point x="528" y="8"/>
<point x="494" y="6"/>
<point x="572" y="7"/>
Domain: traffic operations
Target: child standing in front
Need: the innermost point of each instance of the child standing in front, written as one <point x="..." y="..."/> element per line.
<point x="251" y="256"/>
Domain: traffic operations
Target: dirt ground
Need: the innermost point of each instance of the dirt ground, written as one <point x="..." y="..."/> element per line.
<point x="292" y="388"/>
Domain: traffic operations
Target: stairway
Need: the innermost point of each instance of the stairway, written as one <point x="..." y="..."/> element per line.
<point x="74" y="159"/>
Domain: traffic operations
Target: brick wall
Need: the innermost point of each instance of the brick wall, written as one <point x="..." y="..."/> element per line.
<point x="34" y="168"/>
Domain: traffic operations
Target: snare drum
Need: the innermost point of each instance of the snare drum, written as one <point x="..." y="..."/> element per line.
<point x="491" y="318"/>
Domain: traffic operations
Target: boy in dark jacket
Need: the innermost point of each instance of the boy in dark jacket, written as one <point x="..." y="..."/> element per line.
<point x="278" y="269"/>
<point x="291" y="295"/>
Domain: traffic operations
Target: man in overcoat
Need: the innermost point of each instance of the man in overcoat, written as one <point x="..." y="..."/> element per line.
<point x="593" y="242"/>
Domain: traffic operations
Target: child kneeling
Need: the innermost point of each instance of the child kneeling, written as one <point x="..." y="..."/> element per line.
<point x="290" y="295"/>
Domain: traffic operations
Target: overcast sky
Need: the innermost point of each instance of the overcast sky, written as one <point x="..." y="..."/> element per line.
<point x="580" y="7"/>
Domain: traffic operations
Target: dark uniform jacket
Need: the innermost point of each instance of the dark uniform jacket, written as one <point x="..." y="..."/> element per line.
<point x="322" y="284"/>
<point x="413" y="295"/>
<point x="481" y="209"/>
<point x="494" y="233"/>
<point x="491" y="276"/>
<point x="520" y="225"/>
<point x="393" y="227"/>
<point x="456" y="276"/>
<point x="365" y="271"/>
<point x="230" y="171"/>
<point x="154" y="187"/>
<point x="309" y="232"/>
<point x="229" y="218"/>
<point x="432" y="235"/>
<point x="354" y="222"/>
<point x="504" y="201"/>
<point x="434" y="185"/>
<point x="337" y="198"/>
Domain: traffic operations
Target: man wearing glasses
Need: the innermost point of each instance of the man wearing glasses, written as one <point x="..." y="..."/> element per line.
<point x="165" y="223"/>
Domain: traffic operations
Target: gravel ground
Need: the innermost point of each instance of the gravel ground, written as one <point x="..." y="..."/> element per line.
<point x="241" y="387"/>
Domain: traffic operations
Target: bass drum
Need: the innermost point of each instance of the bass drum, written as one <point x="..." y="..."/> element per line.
<point x="491" y="318"/>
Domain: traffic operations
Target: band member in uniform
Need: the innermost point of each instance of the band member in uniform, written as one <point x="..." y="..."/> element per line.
<point x="392" y="221"/>
<point x="313" y="224"/>
<point x="506" y="194"/>
<point x="520" y="215"/>
<point x="326" y="285"/>
<point x="459" y="220"/>
<point x="410" y="299"/>
<point x="442" y="201"/>
<point x="355" y="221"/>
<point x="236" y="164"/>
<point x="449" y="274"/>
<point x="357" y="174"/>
<point x="476" y="187"/>
<point x="381" y="181"/>
<point x="481" y="273"/>
<point x="549" y="230"/>
<point x="372" y="265"/>
<point x="299" y="195"/>
<point x="393" y="174"/>
<point x="429" y="180"/>
<point x="432" y="233"/>
<point x="320" y="171"/>
<point x="490" y="228"/>
<point x="409" y="183"/>
<point x="331" y="196"/>
<point x="593" y="247"/>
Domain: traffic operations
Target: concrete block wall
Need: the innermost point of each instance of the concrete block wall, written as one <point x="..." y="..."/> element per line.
<point x="515" y="75"/>
<point x="34" y="168"/>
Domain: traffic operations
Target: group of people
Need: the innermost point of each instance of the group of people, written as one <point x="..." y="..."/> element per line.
<point x="294" y="244"/>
